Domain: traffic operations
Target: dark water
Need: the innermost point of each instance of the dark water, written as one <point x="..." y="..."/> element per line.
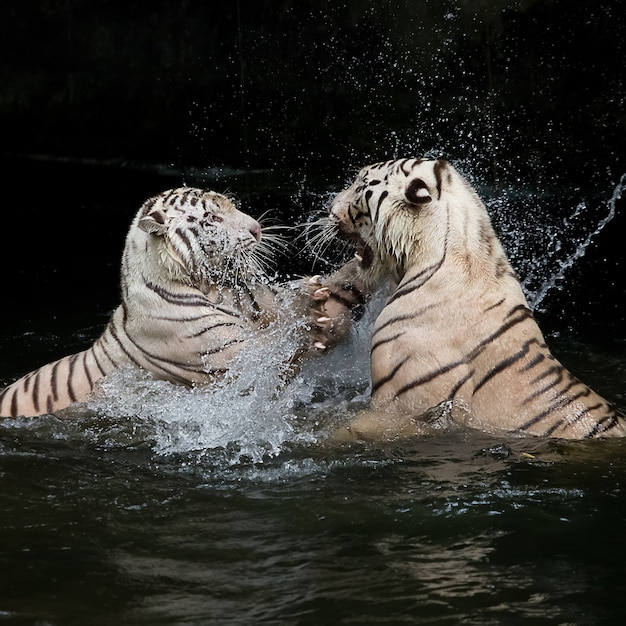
<point x="162" y="506"/>
<point x="463" y="528"/>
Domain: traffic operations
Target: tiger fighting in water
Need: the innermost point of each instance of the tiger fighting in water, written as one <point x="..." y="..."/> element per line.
<point x="193" y="293"/>
<point x="456" y="331"/>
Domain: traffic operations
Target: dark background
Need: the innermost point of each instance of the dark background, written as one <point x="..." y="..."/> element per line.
<point x="105" y="102"/>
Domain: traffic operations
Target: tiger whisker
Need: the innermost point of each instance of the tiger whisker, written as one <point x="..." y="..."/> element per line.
<point x="262" y="259"/>
<point x="305" y="228"/>
<point x="267" y="215"/>
<point x="276" y="240"/>
<point x="318" y="243"/>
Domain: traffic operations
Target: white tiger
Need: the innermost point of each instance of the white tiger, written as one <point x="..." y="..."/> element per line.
<point x="457" y="331"/>
<point x="193" y="292"/>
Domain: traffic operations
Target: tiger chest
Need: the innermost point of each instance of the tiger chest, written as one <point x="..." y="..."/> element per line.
<point x="413" y="368"/>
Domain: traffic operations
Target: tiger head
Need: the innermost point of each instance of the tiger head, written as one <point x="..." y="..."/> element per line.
<point x="197" y="237"/>
<point x="401" y="213"/>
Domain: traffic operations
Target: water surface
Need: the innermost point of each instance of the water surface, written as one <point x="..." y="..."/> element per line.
<point x="159" y="505"/>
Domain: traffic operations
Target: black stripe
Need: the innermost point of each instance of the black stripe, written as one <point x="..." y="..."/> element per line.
<point x="206" y="329"/>
<point x="36" y="392"/>
<point x="408" y="316"/>
<point x="379" y="383"/>
<point x="11" y="400"/>
<point x="488" y="340"/>
<point x="381" y="342"/>
<point x="540" y="416"/>
<point x="464" y="361"/>
<point x="381" y="199"/>
<point x="598" y="429"/>
<point x="439" y="166"/>
<point x="187" y="299"/>
<point x="53" y="382"/>
<point x="147" y="205"/>
<point x="70" y="390"/>
<point x="184" y="319"/>
<point x="353" y="219"/>
<point x="552" y="408"/>
<point x="158" y="362"/>
<point x="402" y="164"/>
<point x="222" y="347"/>
<point x="557" y="370"/>
<point x="568" y="421"/>
<point x="536" y="360"/>
<point x="14" y="409"/>
<point x="430" y="377"/>
<point x="495" y="306"/>
<point x="116" y="338"/>
<point x="505" y="364"/>
<point x="410" y="287"/>
<point x="86" y="367"/>
<point x="96" y="358"/>
<point x="183" y="299"/>
<point x="524" y="314"/>
<point x="460" y="383"/>
<point x="26" y="382"/>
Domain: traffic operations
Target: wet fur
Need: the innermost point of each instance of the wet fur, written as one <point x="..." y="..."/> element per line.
<point x="193" y="293"/>
<point x="456" y="332"/>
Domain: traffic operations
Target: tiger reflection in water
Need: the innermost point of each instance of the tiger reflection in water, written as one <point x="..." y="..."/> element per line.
<point x="194" y="292"/>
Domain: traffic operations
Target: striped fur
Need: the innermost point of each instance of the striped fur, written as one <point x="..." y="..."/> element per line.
<point x="457" y="328"/>
<point x="193" y="292"/>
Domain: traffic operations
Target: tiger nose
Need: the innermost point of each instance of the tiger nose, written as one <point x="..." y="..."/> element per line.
<point x="255" y="230"/>
<point x="339" y="205"/>
<point x="339" y="211"/>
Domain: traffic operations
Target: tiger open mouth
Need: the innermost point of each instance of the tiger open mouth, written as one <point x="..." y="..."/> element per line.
<point x="363" y="253"/>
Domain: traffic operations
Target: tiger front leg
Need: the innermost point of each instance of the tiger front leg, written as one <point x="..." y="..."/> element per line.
<point x="334" y="303"/>
<point x="331" y="318"/>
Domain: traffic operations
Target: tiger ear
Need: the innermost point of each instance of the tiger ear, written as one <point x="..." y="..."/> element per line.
<point x="153" y="222"/>
<point x="416" y="192"/>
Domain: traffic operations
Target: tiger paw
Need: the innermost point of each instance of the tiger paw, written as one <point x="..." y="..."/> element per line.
<point x="330" y="315"/>
<point x="334" y="302"/>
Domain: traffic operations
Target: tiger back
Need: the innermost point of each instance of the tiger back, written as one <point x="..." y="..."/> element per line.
<point x="457" y="330"/>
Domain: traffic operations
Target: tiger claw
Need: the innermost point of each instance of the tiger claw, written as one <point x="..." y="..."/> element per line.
<point x="323" y="319"/>
<point x="321" y="294"/>
<point x="319" y="345"/>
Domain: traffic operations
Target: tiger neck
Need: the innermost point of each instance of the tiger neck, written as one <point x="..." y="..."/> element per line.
<point x="468" y="272"/>
<point x="255" y="301"/>
<point x="145" y="288"/>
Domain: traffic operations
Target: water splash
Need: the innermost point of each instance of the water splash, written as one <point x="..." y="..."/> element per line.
<point x="243" y="416"/>
<point x="253" y="415"/>
<point x="565" y="264"/>
<point x="542" y="245"/>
